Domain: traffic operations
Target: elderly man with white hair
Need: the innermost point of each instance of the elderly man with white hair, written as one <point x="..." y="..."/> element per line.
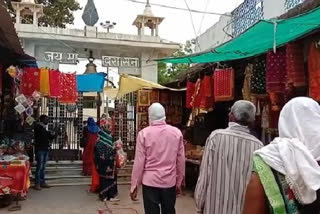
<point x="159" y="164"/>
<point x="227" y="164"/>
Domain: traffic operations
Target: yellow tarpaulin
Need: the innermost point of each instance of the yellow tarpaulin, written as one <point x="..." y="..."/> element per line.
<point x="130" y="84"/>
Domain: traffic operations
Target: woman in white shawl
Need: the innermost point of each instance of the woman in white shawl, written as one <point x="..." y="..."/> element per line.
<point x="286" y="176"/>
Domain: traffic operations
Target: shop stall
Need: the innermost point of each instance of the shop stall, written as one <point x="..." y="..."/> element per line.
<point x="269" y="64"/>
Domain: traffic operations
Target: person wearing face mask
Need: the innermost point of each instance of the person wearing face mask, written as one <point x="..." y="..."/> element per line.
<point x="42" y="140"/>
<point x="159" y="163"/>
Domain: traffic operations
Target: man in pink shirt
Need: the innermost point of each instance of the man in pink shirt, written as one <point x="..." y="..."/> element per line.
<point x="159" y="164"/>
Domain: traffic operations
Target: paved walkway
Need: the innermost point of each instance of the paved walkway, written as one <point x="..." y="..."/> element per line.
<point x="76" y="200"/>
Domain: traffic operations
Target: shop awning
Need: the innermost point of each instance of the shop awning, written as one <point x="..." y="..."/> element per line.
<point x="91" y="82"/>
<point x="130" y="84"/>
<point x="262" y="37"/>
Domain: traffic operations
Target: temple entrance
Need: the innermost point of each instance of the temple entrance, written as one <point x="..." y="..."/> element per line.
<point x="68" y="119"/>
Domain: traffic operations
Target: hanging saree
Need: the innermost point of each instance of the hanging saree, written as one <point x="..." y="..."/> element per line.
<point x="276" y="74"/>
<point x="55" y="83"/>
<point x="44" y="82"/>
<point x="295" y="64"/>
<point x="314" y="72"/>
<point x="207" y="93"/>
<point x="246" y="90"/>
<point x="224" y="84"/>
<point x="258" y="79"/>
<point x="190" y="92"/>
<point x="30" y="81"/>
<point x="196" y="98"/>
<point x="105" y="154"/>
<point x="69" y="89"/>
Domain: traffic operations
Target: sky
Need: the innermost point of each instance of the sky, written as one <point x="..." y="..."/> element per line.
<point x="177" y="25"/>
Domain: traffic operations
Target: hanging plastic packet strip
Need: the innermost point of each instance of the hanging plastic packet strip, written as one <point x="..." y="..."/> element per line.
<point x="19" y="108"/>
<point x="36" y="95"/>
<point x="21" y="99"/>
<point x="29" y="102"/>
<point x="29" y="111"/>
<point x="30" y="120"/>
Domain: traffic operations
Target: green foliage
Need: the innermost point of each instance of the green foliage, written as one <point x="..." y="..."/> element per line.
<point x="57" y="13"/>
<point x="168" y="72"/>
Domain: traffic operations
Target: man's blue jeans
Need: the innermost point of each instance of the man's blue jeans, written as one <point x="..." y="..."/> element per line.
<point x="41" y="158"/>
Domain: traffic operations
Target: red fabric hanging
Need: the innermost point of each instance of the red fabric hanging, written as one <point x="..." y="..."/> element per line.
<point x="55" y="83"/>
<point x="207" y="93"/>
<point x="69" y="89"/>
<point x="314" y="72"/>
<point x="30" y="81"/>
<point x="190" y="91"/>
<point x="224" y="84"/>
<point x="196" y="97"/>
<point x="276" y="74"/>
<point x="295" y="65"/>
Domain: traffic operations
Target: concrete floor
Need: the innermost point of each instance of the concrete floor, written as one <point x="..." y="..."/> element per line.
<point x="76" y="200"/>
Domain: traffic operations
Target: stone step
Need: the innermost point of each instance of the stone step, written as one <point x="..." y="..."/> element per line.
<point x="80" y="178"/>
<point x="52" y="184"/>
<point x="75" y="163"/>
<point x="75" y="171"/>
<point x="68" y="173"/>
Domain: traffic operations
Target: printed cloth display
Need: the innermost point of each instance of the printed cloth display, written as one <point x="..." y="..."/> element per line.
<point x="295" y="65"/>
<point x="44" y="82"/>
<point x="276" y="74"/>
<point x="207" y="93"/>
<point x="30" y="81"/>
<point x="190" y="92"/>
<point x="314" y="72"/>
<point x="246" y="90"/>
<point x="55" y="83"/>
<point x="224" y="84"/>
<point x="69" y="89"/>
<point x="258" y="79"/>
<point x="14" y="178"/>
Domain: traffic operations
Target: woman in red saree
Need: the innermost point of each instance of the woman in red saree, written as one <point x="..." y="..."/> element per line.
<point x="90" y="136"/>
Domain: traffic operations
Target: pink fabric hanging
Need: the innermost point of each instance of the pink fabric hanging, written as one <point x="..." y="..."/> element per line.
<point x="30" y="81"/>
<point x="55" y="83"/>
<point x="69" y="89"/>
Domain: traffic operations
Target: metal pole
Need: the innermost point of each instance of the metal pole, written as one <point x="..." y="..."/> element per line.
<point x="98" y="108"/>
<point x="107" y="99"/>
